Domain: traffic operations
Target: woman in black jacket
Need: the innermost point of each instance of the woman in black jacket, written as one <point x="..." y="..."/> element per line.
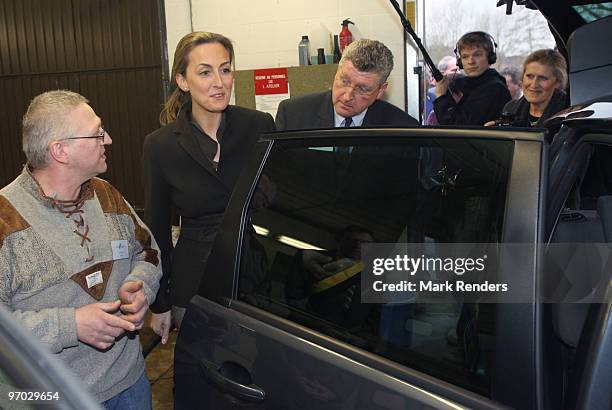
<point x="544" y="79"/>
<point x="191" y="165"/>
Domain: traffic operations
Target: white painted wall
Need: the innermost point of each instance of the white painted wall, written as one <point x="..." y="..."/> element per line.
<point x="266" y="33"/>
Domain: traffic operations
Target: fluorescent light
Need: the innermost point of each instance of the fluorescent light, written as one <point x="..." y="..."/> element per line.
<point x="287" y="240"/>
<point x="297" y="243"/>
<point x="260" y="230"/>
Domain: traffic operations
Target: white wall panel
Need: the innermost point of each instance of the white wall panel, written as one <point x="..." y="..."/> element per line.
<point x="266" y="32"/>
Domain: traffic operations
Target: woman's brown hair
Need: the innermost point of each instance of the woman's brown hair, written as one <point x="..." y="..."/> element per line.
<point x="178" y="97"/>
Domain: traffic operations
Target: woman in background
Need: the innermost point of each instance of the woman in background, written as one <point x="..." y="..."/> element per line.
<point x="191" y="165"/>
<point x="544" y="79"/>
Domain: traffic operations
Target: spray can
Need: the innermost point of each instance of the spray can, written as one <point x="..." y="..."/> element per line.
<point x="304" y="51"/>
<point x="346" y="37"/>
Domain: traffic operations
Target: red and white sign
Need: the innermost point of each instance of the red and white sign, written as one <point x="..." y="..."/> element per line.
<point x="271" y="87"/>
<point x="271" y="81"/>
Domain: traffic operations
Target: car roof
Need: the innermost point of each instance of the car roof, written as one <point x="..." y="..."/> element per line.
<point x="333" y="134"/>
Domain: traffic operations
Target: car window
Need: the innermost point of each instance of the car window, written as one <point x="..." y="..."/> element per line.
<point x="314" y="207"/>
<point x="592" y="12"/>
<point x="578" y="261"/>
<point x="597" y="181"/>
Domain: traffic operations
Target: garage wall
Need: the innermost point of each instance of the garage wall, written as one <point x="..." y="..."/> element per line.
<point x="266" y="32"/>
<point x="108" y="50"/>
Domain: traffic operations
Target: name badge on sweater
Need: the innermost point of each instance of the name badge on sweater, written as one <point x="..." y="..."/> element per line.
<point x="93" y="279"/>
<point x="120" y="249"/>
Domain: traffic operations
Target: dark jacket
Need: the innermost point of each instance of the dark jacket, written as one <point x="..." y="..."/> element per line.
<point x="519" y="109"/>
<point x="317" y="111"/>
<point x="178" y="175"/>
<point x="483" y="99"/>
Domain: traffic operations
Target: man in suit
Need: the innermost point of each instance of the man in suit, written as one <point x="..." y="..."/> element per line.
<point x="354" y="100"/>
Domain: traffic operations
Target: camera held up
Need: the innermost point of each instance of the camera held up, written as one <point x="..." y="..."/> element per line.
<point x="507" y="119"/>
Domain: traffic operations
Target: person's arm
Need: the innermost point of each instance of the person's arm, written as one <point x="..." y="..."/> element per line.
<point x="62" y="327"/>
<point x="158" y="219"/>
<point x="55" y="327"/>
<point x="145" y="260"/>
<point x="483" y="104"/>
<point x="140" y="286"/>
<point x="140" y="281"/>
<point x="486" y="105"/>
<point x="444" y="107"/>
<point x="161" y="324"/>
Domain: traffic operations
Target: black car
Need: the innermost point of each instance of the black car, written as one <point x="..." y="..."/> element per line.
<point x="265" y="332"/>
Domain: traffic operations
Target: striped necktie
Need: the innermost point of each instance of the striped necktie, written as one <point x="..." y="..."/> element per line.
<point x="348" y="121"/>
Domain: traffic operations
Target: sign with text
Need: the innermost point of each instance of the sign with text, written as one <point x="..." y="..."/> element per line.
<point x="271" y="87"/>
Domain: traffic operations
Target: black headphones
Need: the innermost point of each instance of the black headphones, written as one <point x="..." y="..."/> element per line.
<point x="491" y="56"/>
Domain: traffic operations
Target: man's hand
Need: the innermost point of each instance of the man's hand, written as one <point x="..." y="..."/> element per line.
<point x="97" y="326"/>
<point x="442" y="87"/>
<point x="321" y="266"/>
<point x="313" y="262"/>
<point x="160" y="323"/>
<point x="338" y="265"/>
<point x="134" y="303"/>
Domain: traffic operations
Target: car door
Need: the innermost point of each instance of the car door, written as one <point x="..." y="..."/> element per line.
<point x="576" y="337"/>
<point x="31" y="378"/>
<point x="264" y="331"/>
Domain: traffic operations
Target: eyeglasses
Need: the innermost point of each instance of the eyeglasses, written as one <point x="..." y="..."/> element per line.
<point x="100" y="135"/>
<point x="360" y="90"/>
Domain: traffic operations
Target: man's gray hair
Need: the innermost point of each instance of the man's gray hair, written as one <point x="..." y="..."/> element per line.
<point x="369" y="56"/>
<point x="445" y="62"/>
<point x="46" y="120"/>
<point x="513" y="72"/>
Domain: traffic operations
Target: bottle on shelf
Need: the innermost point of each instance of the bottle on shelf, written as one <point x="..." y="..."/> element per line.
<point x="337" y="53"/>
<point x="304" y="51"/>
<point x="320" y="56"/>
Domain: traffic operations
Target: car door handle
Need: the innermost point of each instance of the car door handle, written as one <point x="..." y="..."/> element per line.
<point x="214" y="374"/>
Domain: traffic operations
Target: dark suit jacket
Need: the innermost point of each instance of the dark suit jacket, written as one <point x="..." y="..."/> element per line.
<point x="178" y="175"/>
<point x="317" y="111"/>
<point x="520" y="109"/>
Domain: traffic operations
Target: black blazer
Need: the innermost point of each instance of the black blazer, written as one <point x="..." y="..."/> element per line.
<point x="317" y="111"/>
<point x="519" y="109"/>
<point x="178" y="175"/>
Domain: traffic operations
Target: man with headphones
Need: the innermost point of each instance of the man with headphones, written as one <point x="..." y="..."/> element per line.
<point x="482" y="93"/>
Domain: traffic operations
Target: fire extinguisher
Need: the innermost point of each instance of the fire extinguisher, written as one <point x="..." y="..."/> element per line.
<point x="346" y="37"/>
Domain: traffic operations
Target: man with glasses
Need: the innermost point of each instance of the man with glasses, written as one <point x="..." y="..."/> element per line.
<point x="77" y="266"/>
<point x="354" y="100"/>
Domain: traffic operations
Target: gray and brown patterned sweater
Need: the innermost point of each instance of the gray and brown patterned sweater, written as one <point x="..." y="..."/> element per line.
<point x="51" y="263"/>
